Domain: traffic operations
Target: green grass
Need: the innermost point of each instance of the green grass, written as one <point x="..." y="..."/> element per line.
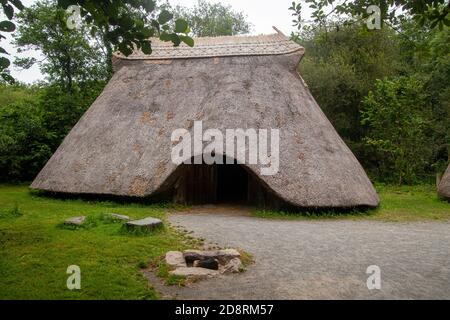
<point x="13" y="212"/>
<point x="171" y="280"/>
<point x="36" y="249"/>
<point x="398" y="204"/>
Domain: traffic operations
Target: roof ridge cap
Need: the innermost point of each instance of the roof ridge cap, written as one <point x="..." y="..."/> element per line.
<point x="221" y="46"/>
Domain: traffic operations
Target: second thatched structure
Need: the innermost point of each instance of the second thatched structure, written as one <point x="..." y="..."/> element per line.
<point x="444" y="185"/>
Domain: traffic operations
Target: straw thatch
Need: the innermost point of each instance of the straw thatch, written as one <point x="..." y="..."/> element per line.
<point x="122" y="147"/>
<point x="444" y="185"/>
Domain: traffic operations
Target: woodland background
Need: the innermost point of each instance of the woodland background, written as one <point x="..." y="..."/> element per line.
<point x="386" y="91"/>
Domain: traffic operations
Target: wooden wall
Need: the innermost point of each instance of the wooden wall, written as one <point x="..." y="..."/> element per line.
<point x="199" y="184"/>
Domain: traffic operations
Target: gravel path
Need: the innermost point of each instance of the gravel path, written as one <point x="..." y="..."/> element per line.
<point x="324" y="259"/>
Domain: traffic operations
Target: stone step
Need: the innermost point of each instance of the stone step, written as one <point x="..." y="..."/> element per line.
<point x="146" y="224"/>
<point x="75" y="221"/>
<point x="116" y="216"/>
<point x="196" y="273"/>
<point x="175" y="259"/>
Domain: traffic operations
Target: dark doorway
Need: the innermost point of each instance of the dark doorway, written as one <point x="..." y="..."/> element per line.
<point x="232" y="184"/>
<point x="211" y="184"/>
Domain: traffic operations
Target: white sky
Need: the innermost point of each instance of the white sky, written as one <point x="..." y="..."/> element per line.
<point x="262" y="14"/>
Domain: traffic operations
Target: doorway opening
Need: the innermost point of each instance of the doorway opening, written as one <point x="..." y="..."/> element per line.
<point x="232" y="184"/>
<point x="211" y="184"/>
<point x="199" y="184"/>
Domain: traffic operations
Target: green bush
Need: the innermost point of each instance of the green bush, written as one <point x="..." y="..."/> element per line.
<point x="397" y="114"/>
<point x="33" y="123"/>
<point x="340" y="68"/>
<point x="24" y="139"/>
<point x="342" y="65"/>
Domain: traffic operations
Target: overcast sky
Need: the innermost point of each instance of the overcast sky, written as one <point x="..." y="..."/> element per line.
<point x="262" y="14"/>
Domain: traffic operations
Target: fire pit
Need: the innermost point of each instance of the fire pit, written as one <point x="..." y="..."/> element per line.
<point x="204" y="264"/>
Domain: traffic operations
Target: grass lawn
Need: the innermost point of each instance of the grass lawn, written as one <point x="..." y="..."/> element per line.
<point x="35" y="251"/>
<point x="398" y="204"/>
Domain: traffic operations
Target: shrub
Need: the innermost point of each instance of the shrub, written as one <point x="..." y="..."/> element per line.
<point x="397" y="114"/>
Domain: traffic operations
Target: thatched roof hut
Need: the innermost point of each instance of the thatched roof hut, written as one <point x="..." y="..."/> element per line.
<point x="121" y="146"/>
<point x="444" y="185"/>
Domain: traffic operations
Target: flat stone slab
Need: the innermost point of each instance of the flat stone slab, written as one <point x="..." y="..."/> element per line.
<point x="147" y="223"/>
<point x="196" y="273"/>
<point x="175" y="259"/>
<point x="118" y="216"/>
<point x="75" y="221"/>
<point x="228" y="254"/>
<point x="233" y="266"/>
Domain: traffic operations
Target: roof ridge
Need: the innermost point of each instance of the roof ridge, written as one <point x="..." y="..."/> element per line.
<point x="206" y="47"/>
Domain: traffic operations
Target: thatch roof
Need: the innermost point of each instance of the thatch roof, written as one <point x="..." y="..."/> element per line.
<point x="121" y="146"/>
<point x="444" y="185"/>
<point x="226" y="46"/>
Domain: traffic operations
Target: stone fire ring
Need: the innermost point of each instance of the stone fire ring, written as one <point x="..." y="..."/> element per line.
<point x="198" y="264"/>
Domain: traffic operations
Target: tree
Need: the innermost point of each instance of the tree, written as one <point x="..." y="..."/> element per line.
<point x="397" y="114"/>
<point x="213" y="19"/>
<point x="344" y="60"/>
<point x="124" y="25"/>
<point x="434" y="12"/>
<point x="24" y="140"/>
<point x="33" y="122"/>
<point x="70" y="56"/>
<point x="129" y="24"/>
<point x="427" y="54"/>
<point x="62" y="110"/>
<point x="76" y="72"/>
<point x="9" y="7"/>
<point x="341" y="67"/>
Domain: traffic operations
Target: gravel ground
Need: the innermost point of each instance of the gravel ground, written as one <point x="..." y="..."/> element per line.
<point x="324" y="259"/>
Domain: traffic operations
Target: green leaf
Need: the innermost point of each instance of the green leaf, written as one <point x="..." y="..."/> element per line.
<point x="165" y="37"/>
<point x="434" y="24"/>
<point x="18" y="4"/>
<point x="8" y="10"/>
<point x="3" y="51"/>
<point x="176" y="40"/>
<point x="149" y="5"/>
<point x="8" y="78"/>
<point x="126" y="22"/>
<point x="164" y="17"/>
<point x="146" y="47"/>
<point x="181" y="26"/>
<point x="64" y="3"/>
<point x="7" y="26"/>
<point x="4" y="63"/>
<point x="155" y="24"/>
<point x="148" y="33"/>
<point x="188" y="40"/>
<point x="173" y="37"/>
<point x="125" y="49"/>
